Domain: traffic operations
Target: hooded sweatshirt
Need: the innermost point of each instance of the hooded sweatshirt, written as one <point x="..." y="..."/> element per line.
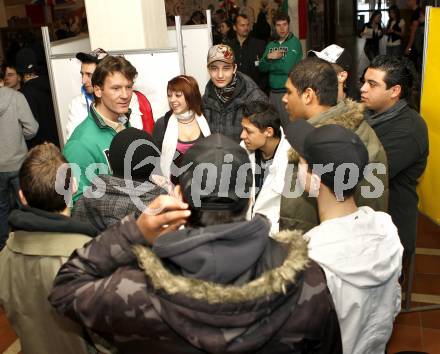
<point x="361" y="255"/>
<point x="219" y="289"/>
<point x="16" y="124"/>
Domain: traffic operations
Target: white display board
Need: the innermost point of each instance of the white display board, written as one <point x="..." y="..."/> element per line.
<point x="197" y="39"/>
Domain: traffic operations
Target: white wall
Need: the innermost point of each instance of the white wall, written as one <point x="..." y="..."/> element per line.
<point x="131" y="24"/>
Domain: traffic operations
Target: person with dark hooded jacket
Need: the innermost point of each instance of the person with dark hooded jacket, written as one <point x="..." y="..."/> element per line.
<point x="129" y="189"/>
<point x="36" y="88"/>
<point x="219" y="285"/>
<point x="227" y="92"/>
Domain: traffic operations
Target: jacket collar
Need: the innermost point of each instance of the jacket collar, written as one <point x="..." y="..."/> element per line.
<point x="37" y="220"/>
<point x="99" y="120"/>
<point x="45" y="244"/>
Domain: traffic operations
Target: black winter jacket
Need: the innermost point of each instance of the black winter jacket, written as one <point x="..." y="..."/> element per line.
<point x="226" y="118"/>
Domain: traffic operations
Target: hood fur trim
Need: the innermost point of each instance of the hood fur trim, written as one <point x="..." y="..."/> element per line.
<point x="271" y="282"/>
<point x="348" y="114"/>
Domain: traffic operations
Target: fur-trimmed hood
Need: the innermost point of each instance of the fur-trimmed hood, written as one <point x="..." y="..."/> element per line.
<point x="347" y="113"/>
<point x="229" y="316"/>
<point x="288" y="252"/>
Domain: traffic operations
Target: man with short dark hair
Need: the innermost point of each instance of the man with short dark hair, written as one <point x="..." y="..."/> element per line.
<point x="267" y="147"/>
<point x="11" y="77"/>
<point x="88" y="146"/>
<point x="44" y="236"/>
<point x="219" y="285"/>
<point x="248" y="51"/>
<point x="404" y="135"/>
<point x="279" y="57"/>
<point x="226" y="92"/>
<point x="358" y="248"/>
<point x="312" y="90"/>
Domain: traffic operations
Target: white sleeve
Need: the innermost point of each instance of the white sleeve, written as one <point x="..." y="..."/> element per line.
<point x="77" y="113"/>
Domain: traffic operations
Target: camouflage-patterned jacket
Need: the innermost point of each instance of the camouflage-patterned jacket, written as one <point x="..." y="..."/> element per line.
<point x="220" y="289"/>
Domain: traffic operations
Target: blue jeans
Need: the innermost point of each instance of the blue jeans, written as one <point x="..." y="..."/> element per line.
<point x="8" y="200"/>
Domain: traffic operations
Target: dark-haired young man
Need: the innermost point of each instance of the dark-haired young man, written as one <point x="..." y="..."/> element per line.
<point x="12" y="79"/>
<point x="358" y="248"/>
<point x="404" y="135"/>
<point x="279" y="57"/>
<point x="88" y="146"/>
<point x="219" y="285"/>
<point x="43" y="238"/>
<point x="267" y="147"/>
<point x="312" y="90"/>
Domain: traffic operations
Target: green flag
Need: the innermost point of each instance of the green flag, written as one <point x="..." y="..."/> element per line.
<point x="285" y="7"/>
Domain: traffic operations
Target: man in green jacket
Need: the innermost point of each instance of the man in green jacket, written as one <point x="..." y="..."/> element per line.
<point x="312" y="91"/>
<point x="88" y="146"/>
<point x="280" y="56"/>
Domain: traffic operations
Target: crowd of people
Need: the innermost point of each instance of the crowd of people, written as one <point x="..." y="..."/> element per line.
<point x="260" y="217"/>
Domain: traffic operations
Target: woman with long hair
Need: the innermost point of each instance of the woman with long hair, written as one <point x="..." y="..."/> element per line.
<point x="226" y="30"/>
<point x="372" y="32"/>
<point x="395" y="30"/>
<point x="182" y="125"/>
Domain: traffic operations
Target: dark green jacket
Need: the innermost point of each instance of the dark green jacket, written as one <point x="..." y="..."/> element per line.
<point x="279" y="69"/>
<point x="89" y="145"/>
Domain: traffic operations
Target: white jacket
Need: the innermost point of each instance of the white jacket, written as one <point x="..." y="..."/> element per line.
<point x="78" y="112"/>
<point x="361" y="255"/>
<point x="269" y="198"/>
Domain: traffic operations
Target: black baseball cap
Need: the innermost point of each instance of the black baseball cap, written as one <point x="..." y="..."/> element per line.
<point x="146" y="150"/>
<point x="218" y="175"/>
<point x="327" y="144"/>
<point x="94" y="56"/>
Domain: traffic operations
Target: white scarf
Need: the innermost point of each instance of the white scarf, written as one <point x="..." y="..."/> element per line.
<point x="170" y="138"/>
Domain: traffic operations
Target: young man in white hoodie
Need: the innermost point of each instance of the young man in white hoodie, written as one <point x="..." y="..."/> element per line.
<point x="358" y="248"/>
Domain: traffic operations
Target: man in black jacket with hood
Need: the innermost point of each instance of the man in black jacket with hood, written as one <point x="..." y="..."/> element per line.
<point x="219" y="285"/>
<point x="36" y="88"/>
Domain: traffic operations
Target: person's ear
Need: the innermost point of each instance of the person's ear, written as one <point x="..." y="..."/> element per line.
<point x="235" y="68"/>
<point x="308" y="96"/>
<point x="315" y="185"/>
<point x="97" y="91"/>
<point x="22" y="198"/>
<point x="342" y="77"/>
<point x="396" y="91"/>
<point x="269" y="132"/>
